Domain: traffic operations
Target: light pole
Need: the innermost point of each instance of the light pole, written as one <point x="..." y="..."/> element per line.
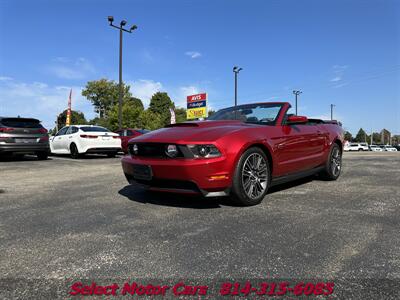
<point x="296" y="93"/>
<point x="236" y="70"/>
<point x="332" y="105"/>
<point x="121" y="29"/>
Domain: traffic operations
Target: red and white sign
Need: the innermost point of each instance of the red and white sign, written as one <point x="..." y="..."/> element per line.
<point x="197" y="97"/>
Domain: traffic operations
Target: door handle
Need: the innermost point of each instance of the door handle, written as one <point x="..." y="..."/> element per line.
<point x="280" y="146"/>
<point x="70" y="137"/>
<point x="319" y="132"/>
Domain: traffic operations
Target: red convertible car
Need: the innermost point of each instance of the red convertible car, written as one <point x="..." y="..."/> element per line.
<point x="238" y="152"/>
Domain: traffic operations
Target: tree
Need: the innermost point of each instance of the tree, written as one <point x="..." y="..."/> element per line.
<point x="160" y="104"/>
<point x="150" y="120"/>
<point x="104" y="94"/>
<point x="180" y="114"/>
<point x="348" y="136"/>
<point x="77" y="118"/>
<point x="385" y="136"/>
<point x="376" y="138"/>
<point x="211" y="112"/>
<point x="361" y="135"/>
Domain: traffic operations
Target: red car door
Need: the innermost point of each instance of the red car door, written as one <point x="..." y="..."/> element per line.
<point x="299" y="147"/>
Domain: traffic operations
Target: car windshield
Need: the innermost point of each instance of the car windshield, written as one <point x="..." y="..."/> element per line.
<point x="264" y="113"/>
<point x="94" y="129"/>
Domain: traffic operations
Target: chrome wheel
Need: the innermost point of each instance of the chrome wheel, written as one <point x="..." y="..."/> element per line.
<point x="336" y="162"/>
<point x="255" y="175"/>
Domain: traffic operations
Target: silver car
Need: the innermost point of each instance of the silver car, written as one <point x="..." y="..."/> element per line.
<point x="23" y="136"/>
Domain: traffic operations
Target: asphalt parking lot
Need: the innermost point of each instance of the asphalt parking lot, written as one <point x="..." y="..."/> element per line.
<point x="77" y="219"/>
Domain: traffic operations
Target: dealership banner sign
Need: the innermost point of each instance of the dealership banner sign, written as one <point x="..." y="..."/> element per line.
<point x="197" y="106"/>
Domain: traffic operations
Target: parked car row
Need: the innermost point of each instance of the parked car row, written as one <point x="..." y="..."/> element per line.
<point x="366" y="147"/>
<point x="28" y="136"/>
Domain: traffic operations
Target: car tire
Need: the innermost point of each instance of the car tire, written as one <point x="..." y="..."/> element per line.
<point x="42" y="155"/>
<point x="252" y="178"/>
<point x="74" y="151"/>
<point x="333" y="166"/>
<point x="111" y="155"/>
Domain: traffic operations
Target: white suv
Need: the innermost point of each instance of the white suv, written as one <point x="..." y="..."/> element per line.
<point x="388" y="148"/>
<point x="356" y="147"/>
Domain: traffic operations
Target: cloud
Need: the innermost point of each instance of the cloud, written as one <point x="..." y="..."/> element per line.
<point x="179" y="95"/>
<point x="66" y="68"/>
<point x="144" y="89"/>
<point x="193" y="54"/>
<point x="5" y="78"/>
<point x="39" y="100"/>
<point x="338" y="71"/>
<point x="335" y="79"/>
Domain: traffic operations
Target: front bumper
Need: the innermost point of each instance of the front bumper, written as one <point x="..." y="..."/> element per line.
<point x="207" y="177"/>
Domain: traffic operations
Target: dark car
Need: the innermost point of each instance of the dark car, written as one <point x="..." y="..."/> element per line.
<point x="127" y="134"/>
<point x="23" y="136"/>
<point x="239" y="151"/>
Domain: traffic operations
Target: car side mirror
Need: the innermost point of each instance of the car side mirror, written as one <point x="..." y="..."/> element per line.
<point x="296" y="120"/>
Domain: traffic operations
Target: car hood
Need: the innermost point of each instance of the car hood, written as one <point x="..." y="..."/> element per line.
<point x="201" y="131"/>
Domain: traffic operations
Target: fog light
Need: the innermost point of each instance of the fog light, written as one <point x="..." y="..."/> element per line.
<point x="171" y="151"/>
<point x="135" y="149"/>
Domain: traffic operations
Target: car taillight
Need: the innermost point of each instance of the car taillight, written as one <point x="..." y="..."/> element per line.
<point x="6" y="129"/>
<point x="86" y="136"/>
<point x="42" y="130"/>
<point x="44" y="139"/>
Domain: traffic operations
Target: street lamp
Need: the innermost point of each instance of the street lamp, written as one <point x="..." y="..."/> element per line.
<point x="296" y="93"/>
<point x="332" y="105"/>
<point x="121" y="29"/>
<point x="236" y="70"/>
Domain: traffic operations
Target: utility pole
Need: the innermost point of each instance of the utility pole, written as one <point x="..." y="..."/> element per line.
<point x="332" y="105"/>
<point x="372" y="137"/>
<point x="236" y="70"/>
<point x="296" y="93"/>
<point x="121" y="29"/>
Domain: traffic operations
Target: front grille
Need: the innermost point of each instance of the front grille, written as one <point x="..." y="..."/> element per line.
<point x="170" y="184"/>
<point x="156" y="150"/>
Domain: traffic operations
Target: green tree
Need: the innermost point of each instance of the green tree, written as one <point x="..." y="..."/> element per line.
<point x="376" y="138"/>
<point x="104" y="122"/>
<point x="160" y="104"/>
<point x="180" y="114"/>
<point x="348" y="136"/>
<point x="211" y="112"/>
<point x="104" y="94"/>
<point x="361" y="135"/>
<point x="150" y="120"/>
<point x="77" y="118"/>
<point x="131" y="109"/>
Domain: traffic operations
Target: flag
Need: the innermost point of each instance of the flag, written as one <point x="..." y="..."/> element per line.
<point x="68" y="121"/>
<point x="173" y="118"/>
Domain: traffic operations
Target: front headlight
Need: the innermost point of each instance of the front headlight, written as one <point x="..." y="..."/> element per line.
<point x="204" y="151"/>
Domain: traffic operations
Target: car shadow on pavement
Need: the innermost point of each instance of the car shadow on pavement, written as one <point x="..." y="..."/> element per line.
<point x="13" y="158"/>
<point x="174" y="200"/>
<point x="291" y="184"/>
<point x="197" y="202"/>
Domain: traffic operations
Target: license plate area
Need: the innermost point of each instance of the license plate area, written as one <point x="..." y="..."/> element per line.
<point x="142" y="172"/>
<point x="25" y="141"/>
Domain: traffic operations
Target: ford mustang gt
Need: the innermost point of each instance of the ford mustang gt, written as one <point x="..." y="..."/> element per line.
<point x="238" y="152"/>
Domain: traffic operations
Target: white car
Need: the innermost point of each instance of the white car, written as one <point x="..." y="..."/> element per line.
<point x="388" y="148"/>
<point x="356" y="147"/>
<point x="80" y="139"/>
<point x="375" y="148"/>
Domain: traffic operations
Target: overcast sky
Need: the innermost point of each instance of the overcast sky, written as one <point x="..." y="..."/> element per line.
<point x="341" y="52"/>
